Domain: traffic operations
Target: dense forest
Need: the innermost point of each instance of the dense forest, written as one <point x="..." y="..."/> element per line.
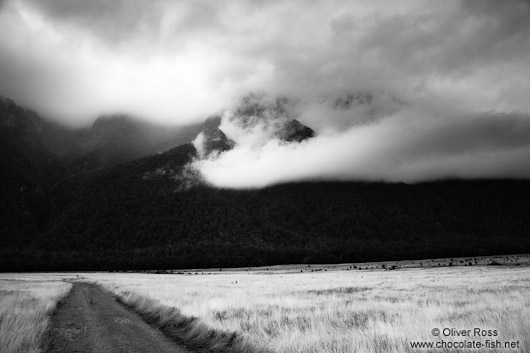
<point x="153" y="213"/>
<point x="127" y="218"/>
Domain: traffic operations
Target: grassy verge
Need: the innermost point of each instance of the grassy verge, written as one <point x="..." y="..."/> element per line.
<point x="187" y="331"/>
<point x="25" y="311"/>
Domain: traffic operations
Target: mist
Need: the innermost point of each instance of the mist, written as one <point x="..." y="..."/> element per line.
<point x="411" y="145"/>
<point x="451" y="79"/>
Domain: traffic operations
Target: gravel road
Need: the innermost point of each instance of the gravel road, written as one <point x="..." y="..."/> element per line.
<point x="90" y="320"/>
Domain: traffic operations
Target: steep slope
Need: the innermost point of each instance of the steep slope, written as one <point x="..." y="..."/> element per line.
<point x="211" y="138"/>
<point x="26" y="169"/>
<point x="276" y="116"/>
<point x="146" y="214"/>
<point x="156" y="211"/>
<point x="36" y="154"/>
<point x="119" y="138"/>
<point x="272" y="118"/>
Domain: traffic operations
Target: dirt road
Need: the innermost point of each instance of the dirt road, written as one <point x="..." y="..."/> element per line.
<point x="91" y="320"/>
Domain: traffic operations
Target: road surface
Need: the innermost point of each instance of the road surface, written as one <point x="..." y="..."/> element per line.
<point x="90" y="320"/>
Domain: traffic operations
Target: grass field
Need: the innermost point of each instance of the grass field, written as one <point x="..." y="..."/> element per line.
<point x="326" y="308"/>
<point x="342" y="311"/>
<point x="26" y="303"/>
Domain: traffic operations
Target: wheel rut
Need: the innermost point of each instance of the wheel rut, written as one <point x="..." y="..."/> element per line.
<point x="91" y="320"/>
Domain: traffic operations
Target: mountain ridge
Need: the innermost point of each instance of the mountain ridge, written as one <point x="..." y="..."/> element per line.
<point x="155" y="211"/>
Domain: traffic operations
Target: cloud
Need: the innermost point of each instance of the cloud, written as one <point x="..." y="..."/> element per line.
<point x="150" y="59"/>
<point x="179" y="61"/>
<point x="397" y="148"/>
<point x="452" y="77"/>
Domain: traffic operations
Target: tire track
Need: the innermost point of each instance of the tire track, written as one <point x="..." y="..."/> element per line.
<point x="90" y="320"/>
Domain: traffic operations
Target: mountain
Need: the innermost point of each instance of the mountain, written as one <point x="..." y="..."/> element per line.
<point x="18" y="120"/>
<point x="146" y="214"/>
<point x="273" y="117"/>
<point x="35" y="156"/>
<point x="294" y="131"/>
<point x="120" y="138"/>
<point x="211" y="138"/>
<point x="276" y="116"/>
<point x="26" y="168"/>
<point x="156" y="211"/>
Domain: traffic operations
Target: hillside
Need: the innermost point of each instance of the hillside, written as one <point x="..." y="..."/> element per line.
<point x="119" y="138"/>
<point x="156" y="211"/>
<point x="36" y="154"/>
<point x="144" y="214"/>
<point x="26" y="170"/>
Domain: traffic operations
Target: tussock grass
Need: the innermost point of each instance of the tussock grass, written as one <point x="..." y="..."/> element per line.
<point x="188" y="331"/>
<point x="336" y="311"/>
<point x="25" y="309"/>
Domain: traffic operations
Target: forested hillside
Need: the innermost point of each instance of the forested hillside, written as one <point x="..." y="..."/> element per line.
<point x="157" y="212"/>
<point x="144" y="214"/>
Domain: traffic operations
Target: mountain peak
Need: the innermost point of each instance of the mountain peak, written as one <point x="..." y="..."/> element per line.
<point x="294" y="131"/>
<point x="19" y="119"/>
<point x="211" y="138"/>
<point x="112" y="121"/>
<point x="274" y="115"/>
<point x="115" y="128"/>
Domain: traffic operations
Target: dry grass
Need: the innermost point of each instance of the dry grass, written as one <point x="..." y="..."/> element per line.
<point x="25" y="309"/>
<point x="333" y="311"/>
<point x="340" y="311"/>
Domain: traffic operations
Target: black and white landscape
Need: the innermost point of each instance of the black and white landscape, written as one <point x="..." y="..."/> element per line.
<point x="301" y="175"/>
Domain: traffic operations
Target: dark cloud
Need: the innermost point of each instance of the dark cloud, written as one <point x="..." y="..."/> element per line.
<point x="109" y="20"/>
<point x="460" y="68"/>
<point x="497" y="32"/>
<point x="485" y="133"/>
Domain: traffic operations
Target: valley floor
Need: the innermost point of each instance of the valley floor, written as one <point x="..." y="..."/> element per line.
<point x="344" y="311"/>
<point x="281" y="309"/>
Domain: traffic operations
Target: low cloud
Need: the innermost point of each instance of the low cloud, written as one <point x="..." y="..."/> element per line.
<point x="451" y="78"/>
<point x="407" y="146"/>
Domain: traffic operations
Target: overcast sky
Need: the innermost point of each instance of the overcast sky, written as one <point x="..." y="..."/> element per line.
<point x="460" y="68"/>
